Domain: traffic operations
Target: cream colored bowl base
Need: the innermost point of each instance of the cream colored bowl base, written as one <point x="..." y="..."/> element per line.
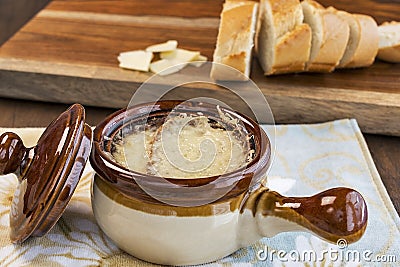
<point x="170" y="240"/>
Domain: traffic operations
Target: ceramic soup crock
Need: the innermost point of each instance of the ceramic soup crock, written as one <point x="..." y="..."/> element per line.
<point x="146" y="215"/>
<point x="174" y="234"/>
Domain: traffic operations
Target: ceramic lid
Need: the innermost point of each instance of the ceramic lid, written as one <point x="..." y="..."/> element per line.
<point x="48" y="173"/>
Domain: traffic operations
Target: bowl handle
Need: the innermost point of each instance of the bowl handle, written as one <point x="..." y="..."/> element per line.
<point x="13" y="154"/>
<point x="335" y="214"/>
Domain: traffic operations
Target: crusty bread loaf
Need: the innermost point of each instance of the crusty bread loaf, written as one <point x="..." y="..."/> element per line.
<point x="294" y="36"/>
<point x="330" y="35"/>
<point x="235" y="40"/>
<point x="283" y="42"/>
<point x="362" y="46"/>
<point x="389" y="42"/>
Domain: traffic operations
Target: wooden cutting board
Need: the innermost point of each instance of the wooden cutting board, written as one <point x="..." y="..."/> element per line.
<point x="68" y="53"/>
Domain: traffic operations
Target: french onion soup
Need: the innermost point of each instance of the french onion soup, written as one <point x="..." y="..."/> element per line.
<point x="185" y="145"/>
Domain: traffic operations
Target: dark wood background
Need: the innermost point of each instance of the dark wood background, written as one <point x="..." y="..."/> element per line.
<point x="15" y="13"/>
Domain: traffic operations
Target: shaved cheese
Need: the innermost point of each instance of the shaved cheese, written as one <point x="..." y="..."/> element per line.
<point x="199" y="61"/>
<point x="135" y="60"/>
<point x="166" y="66"/>
<point x="176" y="149"/>
<point x="180" y="55"/>
<point x="200" y="58"/>
<point x="225" y="153"/>
<point x="172" y="58"/>
<point x="167" y="46"/>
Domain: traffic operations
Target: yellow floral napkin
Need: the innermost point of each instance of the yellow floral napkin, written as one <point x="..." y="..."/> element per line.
<point x="308" y="159"/>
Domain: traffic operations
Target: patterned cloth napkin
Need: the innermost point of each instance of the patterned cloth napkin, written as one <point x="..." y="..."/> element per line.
<point x="308" y="159"/>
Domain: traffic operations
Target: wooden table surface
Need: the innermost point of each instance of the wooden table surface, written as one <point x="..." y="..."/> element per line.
<point x="68" y="53"/>
<point x="385" y="150"/>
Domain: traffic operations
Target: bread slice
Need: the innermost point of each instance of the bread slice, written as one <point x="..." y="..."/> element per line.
<point x="330" y="35"/>
<point x="283" y="41"/>
<point x="389" y="42"/>
<point x="292" y="51"/>
<point x="362" y="46"/>
<point x="235" y="40"/>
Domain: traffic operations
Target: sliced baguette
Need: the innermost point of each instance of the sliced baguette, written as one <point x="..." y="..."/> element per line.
<point x="292" y="50"/>
<point x="235" y="40"/>
<point x="362" y="46"/>
<point x="330" y="35"/>
<point x="389" y="42"/>
<point x="283" y="42"/>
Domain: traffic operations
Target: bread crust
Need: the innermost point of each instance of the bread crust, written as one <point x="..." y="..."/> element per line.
<point x="390" y="53"/>
<point x="294" y="36"/>
<point x="286" y="15"/>
<point x="354" y="37"/>
<point x="368" y="45"/>
<point x="335" y="35"/>
<point x="292" y="51"/>
<point x="235" y="40"/>
<point x="283" y="41"/>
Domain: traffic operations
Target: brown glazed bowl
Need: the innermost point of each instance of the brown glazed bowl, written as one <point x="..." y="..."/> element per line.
<point x="148" y="216"/>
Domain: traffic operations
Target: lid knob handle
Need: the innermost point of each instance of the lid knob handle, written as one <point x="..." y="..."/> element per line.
<point x="12" y="152"/>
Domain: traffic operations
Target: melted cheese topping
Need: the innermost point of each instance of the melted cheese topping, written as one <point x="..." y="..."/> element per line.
<point x="133" y="151"/>
<point x="185" y="147"/>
